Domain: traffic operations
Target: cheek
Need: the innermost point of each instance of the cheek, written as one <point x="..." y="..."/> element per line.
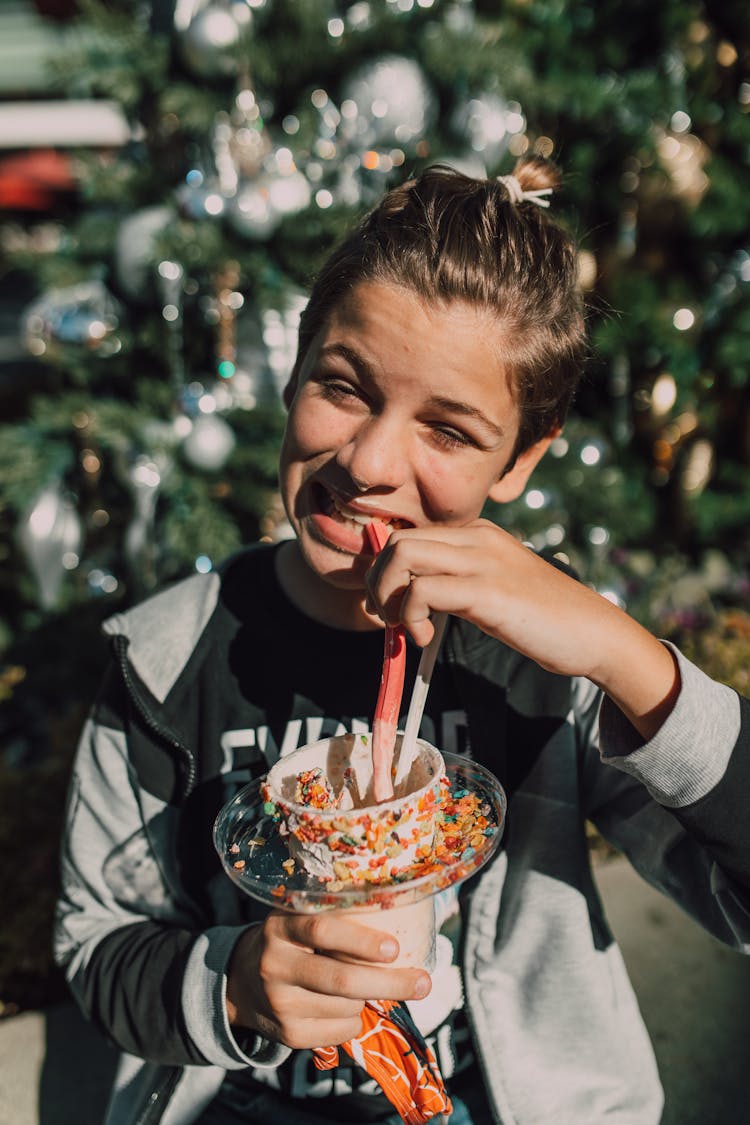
<point x="453" y="492"/>
<point x="316" y="428"/>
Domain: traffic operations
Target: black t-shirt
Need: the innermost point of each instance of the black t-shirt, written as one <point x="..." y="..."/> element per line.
<point x="287" y="680"/>
<point x="284" y="680"/>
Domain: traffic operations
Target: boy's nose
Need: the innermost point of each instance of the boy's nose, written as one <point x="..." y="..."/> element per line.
<point x="375" y="457"/>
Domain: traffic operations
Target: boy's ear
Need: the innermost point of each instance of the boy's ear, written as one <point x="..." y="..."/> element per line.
<point x="511" y="484"/>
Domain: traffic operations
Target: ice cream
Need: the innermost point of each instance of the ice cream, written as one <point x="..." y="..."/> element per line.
<point x="393" y="855"/>
<point x="322" y="797"/>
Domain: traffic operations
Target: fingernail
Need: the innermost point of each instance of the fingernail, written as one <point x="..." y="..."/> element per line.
<point x="422" y="987"/>
<point x="388" y="949"/>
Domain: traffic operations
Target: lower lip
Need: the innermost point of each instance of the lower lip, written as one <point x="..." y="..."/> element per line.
<point x="338" y="535"/>
<point x="335" y="532"/>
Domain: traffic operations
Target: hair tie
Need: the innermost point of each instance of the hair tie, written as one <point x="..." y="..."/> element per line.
<point x="516" y="194"/>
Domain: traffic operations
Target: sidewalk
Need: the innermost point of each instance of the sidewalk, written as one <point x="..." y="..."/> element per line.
<point x="694" y="994"/>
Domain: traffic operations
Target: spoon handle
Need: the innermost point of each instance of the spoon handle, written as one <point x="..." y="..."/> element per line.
<point x="419" y="697"/>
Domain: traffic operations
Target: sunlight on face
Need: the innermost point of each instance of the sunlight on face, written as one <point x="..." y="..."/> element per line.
<point x="401" y="411"/>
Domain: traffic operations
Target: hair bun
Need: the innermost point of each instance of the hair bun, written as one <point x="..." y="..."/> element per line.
<point x="535" y="173"/>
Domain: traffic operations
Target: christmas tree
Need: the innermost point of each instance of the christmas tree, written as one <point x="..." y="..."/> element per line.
<point x="255" y="131"/>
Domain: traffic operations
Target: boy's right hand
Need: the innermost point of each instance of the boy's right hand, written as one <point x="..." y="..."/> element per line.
<point x="303" y="979"/>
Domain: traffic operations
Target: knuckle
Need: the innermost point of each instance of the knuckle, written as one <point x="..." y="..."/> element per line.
<point x="316" y="931"/>
<point x="339" y="980"/>
<point x="292" y="1037"/>
<point x="266" y="965"/>
<point x="274" y="927"/>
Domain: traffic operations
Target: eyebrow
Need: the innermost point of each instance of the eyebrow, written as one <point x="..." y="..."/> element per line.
<point x="440" y="402"/>
<point x="467" y="411"/>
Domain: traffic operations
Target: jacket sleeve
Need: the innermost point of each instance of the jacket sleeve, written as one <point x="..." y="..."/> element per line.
<point x="674" y="804"/>
<point x="140" y="961"/>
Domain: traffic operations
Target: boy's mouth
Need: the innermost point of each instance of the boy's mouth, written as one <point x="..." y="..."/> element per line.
<point x="356" y="515"/>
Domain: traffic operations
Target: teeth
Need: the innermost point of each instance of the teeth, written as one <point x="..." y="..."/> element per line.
<point x="354" y="517"/>
<point x="359" y="519"/>
<point x="362" y="520"/>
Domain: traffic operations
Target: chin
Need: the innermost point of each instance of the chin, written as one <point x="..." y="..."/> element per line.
<point x="342" y="569"/>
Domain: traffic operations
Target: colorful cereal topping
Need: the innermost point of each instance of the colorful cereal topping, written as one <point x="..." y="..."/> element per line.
<point x="314" y="789"/>
<point x="449" y="830"/>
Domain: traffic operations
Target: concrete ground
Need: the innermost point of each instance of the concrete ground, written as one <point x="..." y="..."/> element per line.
<point x="694" y="994"/>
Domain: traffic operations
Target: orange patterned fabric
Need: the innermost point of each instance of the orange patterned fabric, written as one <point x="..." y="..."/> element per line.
<point x="394" y="1053"/>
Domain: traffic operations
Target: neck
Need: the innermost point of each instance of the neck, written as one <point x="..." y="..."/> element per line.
<point x="318" y="599"/>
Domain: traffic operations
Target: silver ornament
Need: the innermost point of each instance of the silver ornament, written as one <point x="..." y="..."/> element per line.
<point x="487" y="123"/>
<point x="250" y="212"/>
<point x="209" y="38"/>
<point x="280" y="336"/>
<point x="209" y="443"/>
<point x="251" y="381"/>
<point x="50" y="535"/>
<point x="289" y="192"/>
<point x="72" y="321"/>
<point x="261" y="203"/>
<point x="145" y="475"/>
<point x="134" y="251"/>
<point x="394" y="103"/>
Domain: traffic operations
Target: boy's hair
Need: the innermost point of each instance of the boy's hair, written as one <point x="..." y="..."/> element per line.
<point x="446" y="236"/>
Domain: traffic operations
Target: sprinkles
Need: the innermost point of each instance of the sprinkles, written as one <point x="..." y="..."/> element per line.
<point x="451" y="828"/>
<point x="314" y="789"/>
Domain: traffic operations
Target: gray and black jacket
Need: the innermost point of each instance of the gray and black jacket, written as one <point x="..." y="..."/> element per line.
<point x="147" y="921"/>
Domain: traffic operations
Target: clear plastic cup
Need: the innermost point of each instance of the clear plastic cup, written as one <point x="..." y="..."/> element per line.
<point x="367" y="844"/>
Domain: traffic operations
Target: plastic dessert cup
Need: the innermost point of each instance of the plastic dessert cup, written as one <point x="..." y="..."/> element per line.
<point x="357" y="841"/>
<point x="252" y="840"/>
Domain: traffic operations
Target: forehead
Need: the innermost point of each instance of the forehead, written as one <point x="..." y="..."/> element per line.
<point x="395" y="328"/>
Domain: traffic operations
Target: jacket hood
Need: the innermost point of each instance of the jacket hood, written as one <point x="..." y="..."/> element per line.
<point x="163" y="631"/>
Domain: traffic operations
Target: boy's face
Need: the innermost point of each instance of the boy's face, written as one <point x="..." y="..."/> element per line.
<point x="402" y="411"/>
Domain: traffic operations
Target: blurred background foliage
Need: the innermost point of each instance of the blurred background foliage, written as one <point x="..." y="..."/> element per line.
<point x="155" y="273"/>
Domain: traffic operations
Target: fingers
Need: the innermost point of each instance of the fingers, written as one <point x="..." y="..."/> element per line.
<point x="330" y="954"/>
<point x="323" y="1033"/>
<point x="349" y="980"/>
<point x="303" y="979"/>
<point x="421" y="571"/>
<point x="348" y="961"/>
<point x="334" y="933"/>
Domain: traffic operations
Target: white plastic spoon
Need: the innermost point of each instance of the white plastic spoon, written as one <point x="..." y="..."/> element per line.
<point x="419" y="698"/>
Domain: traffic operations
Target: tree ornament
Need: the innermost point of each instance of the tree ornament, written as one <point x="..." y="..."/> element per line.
<point x="50" y="535"/>
<point x="209" y="443"/>
<point x="250" y="212"/>
<point x="208" y="34"/>
<point x="290" y="192"/>
<point x="488" y="122"/>
<point x="69" y="322"/>
<point x="135" y="251"/>
<point x="393" y="99"/>
<point x="252" y="380"/>
<point x="280" y="336"/>
<point x="144" y="477"/>
<point x="264" y="200"/>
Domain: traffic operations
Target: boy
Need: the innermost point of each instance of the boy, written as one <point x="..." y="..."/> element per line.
<point x="437" y="357"/>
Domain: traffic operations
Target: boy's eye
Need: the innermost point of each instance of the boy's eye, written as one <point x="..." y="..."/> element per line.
<point x="337" y="389"/>
<point x="451" y="438"/>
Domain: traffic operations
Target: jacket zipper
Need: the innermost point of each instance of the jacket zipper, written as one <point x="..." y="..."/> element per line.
<point x="161" y="730"/>
<point x="155" y="1103"/>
